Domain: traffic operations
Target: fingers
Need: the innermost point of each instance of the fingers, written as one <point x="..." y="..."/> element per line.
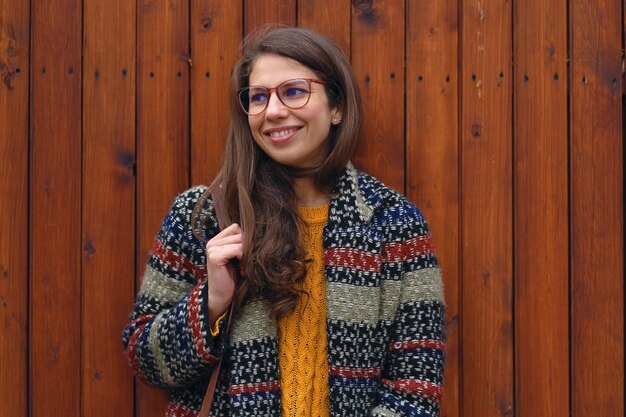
<point x="218" y="256"/>
<point x="226" y="245"/>
<point x="233" y="229"/>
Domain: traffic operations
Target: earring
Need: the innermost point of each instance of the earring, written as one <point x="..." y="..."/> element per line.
<point x="336" y="121"/>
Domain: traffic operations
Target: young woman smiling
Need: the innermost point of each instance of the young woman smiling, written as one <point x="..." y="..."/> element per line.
<point x="338" y="303"/>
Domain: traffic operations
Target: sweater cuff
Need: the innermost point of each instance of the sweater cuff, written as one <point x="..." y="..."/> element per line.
<point x="215" y="330"/>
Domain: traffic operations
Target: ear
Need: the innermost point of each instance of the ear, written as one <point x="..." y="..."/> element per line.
<point x="335" y="116"/>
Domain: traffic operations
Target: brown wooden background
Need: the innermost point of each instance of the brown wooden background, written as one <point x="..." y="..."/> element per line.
<point x="502" y="119"/>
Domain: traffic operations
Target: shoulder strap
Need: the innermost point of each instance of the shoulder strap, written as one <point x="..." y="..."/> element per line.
<point x="208" y="397"/>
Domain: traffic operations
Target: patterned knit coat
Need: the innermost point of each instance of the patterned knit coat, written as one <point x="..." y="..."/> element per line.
<point x="385" y="314"/>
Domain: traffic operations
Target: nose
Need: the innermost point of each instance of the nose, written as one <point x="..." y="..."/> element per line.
<point x="275" y="108"/>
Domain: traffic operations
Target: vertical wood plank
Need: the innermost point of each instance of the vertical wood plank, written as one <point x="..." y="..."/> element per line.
<point x="486" y="209"/>
<point x="261" y="12"/>
<point x="216" y="32"/>
<point x="163" y="134"/>
<point x="541" y="209"/>
<point x="329" y="17"/>
<point x="14" y="64"/>
<point x="597" y="209"/>
<point x="108" y="232"/>
<point x="432" y="160"/>
<point x="378" y="62"/>
<point x="55" y="275"/>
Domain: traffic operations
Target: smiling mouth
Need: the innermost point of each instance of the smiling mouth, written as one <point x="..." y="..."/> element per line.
<point x="277" y="134"/>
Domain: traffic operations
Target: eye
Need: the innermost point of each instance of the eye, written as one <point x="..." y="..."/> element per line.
<point x="294" y="92"/>
<point x="258" y="97"/>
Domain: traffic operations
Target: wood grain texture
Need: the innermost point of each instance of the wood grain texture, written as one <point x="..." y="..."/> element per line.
<point x="432" y="159"/>
<point x="329" y="17"/>
<point x="55" y="196"/>
<point x="597" y="209"/>
<point x="216" y="34"/>
<point x="378" y="62"/>
<point x="486" y="209"/>
<point x="14" y="64"/>
<point x="263" y="12"/>
<point x="163" y="135"/>
<point x="541" y="209"/>
<point x="108" y="216"/>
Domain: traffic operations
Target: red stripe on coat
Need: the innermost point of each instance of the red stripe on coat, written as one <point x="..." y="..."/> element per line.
<point x="253" y="388"/>
<point x="132" y="346"/>
<point x="412" y="248"/>
<point x="346" y="372"/>
<point x="195" y="325"/>
<point x="177" y="261"/>
<point x="179" y="410"/>
<point x="417" y="344"/>
<point x="353" y="259"/>
<point x="420" y="388"/>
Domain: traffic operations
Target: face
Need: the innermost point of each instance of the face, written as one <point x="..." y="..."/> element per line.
<point x="295" y="138"/>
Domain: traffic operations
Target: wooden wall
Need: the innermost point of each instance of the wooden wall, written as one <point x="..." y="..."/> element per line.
<point x="502" y="120"/>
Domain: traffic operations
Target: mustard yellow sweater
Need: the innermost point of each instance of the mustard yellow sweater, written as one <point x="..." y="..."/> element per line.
<point x="302" y="334"/>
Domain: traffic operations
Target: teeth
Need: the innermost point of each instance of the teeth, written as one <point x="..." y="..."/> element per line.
<point x="281" y="133"/>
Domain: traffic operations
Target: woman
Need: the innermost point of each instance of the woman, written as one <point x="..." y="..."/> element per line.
<point x="338" y="304"/>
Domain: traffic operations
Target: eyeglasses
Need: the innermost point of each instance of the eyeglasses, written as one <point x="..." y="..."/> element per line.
<point x="294" y="94"/>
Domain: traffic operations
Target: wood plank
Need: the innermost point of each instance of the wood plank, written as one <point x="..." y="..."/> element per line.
<point x="263" y="12"/>
<point x="108" y="232"/>
<point x="432" y="160"/>
<point x="541" y="209"/>
<point x="486" y="209"/>
<point x="216" y="33"/>
<point x="14" y="64"/>
<point x="55" y="170"/>
<point x="329" y="17"/>
<point x="163" y="135"/>
<point x="597" y="209"/>
<point x="378" y="62"/>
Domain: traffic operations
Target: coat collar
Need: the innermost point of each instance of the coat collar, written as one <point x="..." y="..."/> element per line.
<point x="352" y="200"/>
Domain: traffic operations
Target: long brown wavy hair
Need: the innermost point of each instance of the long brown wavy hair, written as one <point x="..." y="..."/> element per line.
<point x="257" y="192"/>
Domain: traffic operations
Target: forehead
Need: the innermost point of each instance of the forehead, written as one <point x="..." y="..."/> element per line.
<point x="270" y="70"/>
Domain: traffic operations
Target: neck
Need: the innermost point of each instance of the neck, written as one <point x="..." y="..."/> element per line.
<point x="307" y="194"/>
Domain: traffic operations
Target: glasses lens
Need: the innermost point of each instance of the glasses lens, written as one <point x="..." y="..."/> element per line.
<point x="294" y="93"/>
<point x="254" y="99"/>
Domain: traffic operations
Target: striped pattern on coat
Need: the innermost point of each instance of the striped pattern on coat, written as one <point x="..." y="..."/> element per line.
<point x="385" y="314"/>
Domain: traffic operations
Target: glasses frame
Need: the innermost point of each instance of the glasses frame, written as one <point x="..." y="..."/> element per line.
<point x="309" y="81"/>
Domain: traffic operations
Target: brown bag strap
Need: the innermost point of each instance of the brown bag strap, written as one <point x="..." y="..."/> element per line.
<point x="210" y="391"/>
<point x="208" y="397"/>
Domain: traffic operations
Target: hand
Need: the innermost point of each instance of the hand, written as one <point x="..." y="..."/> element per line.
<point x="226" y="245"/>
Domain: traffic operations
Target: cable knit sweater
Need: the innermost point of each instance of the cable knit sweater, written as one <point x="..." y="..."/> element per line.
<point x="385" y="314"/>
<point x="303" y="359"/>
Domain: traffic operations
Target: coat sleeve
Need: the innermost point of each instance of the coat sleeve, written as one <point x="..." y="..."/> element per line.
<point x="167" y="340"/>
<point x="412" y="373"/>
